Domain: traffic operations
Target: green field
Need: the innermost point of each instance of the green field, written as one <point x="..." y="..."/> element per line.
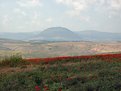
<point x="67" y="75"/>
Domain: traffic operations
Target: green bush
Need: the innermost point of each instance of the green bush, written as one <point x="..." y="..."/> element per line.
<point x="13" y="61"/>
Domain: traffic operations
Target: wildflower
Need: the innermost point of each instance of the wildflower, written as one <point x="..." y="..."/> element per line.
<point x="37" y="88"/>
<point x="46" y="88"/>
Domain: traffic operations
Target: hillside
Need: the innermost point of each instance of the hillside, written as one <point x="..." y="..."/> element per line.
<point x="78" y="73"/>
<point x="57" y="34"/>
<point x="53" y="49"/>
<point x="18" y="36"/>
<point x="91" y="35"/>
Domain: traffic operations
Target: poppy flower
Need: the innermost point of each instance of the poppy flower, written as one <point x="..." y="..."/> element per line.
<point x="37" y="88"/>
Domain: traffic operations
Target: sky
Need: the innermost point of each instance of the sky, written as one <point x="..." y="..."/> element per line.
<point x="76" y="15"/>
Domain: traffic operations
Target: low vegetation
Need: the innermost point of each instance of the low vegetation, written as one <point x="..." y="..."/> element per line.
<point x="12" y="61"/>
<point x="80" y="73"/>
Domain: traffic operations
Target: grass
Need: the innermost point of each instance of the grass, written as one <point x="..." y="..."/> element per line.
<point x="12" y="61"/>
<point x="67" y="75"/>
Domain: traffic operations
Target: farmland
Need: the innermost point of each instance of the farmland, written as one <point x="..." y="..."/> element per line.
<point x="53" y="49"/>
<point x="68" y="73"/>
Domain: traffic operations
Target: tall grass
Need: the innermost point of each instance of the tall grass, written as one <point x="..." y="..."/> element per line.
<point x="12" y="61"/>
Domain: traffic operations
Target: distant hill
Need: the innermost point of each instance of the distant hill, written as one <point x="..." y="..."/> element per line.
<point x="92" y="35"/>
<point x="18" y="36"/>
<point x="63" y="34"/>
<point x="57" y="34"/>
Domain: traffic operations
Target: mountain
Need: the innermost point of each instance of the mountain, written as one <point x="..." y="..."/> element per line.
<point x="57" y="34"/>
<point x="18" y="36"/>
<point x="63" y="34"/>
<point x="92" y="35"/>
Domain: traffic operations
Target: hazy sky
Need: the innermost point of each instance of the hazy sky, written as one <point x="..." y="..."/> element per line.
<point x="77" y="15"/>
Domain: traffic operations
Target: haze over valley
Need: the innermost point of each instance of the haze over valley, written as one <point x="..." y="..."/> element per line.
<point x="44" y="28"/>
<point x="59" y="41"/>
<point x="62" y="34"/>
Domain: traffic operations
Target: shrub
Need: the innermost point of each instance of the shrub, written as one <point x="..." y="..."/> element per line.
<point x="13" y="61"/>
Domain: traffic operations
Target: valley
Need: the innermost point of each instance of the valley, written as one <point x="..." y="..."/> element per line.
<point x="53" y="49"/>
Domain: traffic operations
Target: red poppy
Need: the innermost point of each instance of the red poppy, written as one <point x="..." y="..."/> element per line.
<point x="37" y="88"/>
<point x="46" y="88"/>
